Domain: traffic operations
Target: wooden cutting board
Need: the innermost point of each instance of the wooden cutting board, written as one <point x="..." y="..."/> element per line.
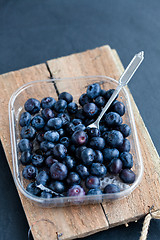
<point x="79" y="221"/>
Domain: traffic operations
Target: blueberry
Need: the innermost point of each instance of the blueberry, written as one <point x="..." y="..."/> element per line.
<point x="57" y="186"/>
<point x="25" y="119"/>
<point x="37" y="160"/>
<point x="29" y="172"/>
<point x="82" y="171"/>
<point x="119" y="108"/>
<point x="32" y="106"/>
<point x="33" y="189"/>
<point x="103" y="127"/>
<point x="84" y="99"/>
<point x="93" y="132"/>
<point x="55" y="123"/>
<point x="125" y="147"/>
<point x="47" y="113"/>
<point x="51" y="136"/>
<point x="90" y="110"/>
<point x="98" y="169"/>
<point x="61" y="132"/>
<point x="97" y="143"/>
<point x="92" y="182"/>
<point x="127" y="159"/>
<point x="124" y="129"/>
<point x="111" y="188"/>
<point x="45" y="194"/>
<point x="79" y="151"/>
<point x="59" y="151"/>
<point x="69" y="162"/>
<point x="40" y="137"/>
<point x="100" y="101"/>
<point x="98" y="156"/>
<point x="93" y="90"/>
<point x="25" y="158"/>
<point x="127" y="176"/>
<point x="72" y="108"/>
<point x="108" y="94"/>
<point x="64" y="117"/>
<point x="47" y="102"/>
<point x="28" y="132"/>
<point x="65" y="141"/>
<point x="60" y="106"/>
<point x="76" y="121"/>
<point x="76" y="190"/>
<point x="49" y="161"/>
<point x="45" y="146"/>
<point x="73" y="178"/>
<point x="79" y="127"/>
<point x="87" y="156"/>
<point x="112" y="119"/>
<point x="24" y="145"/>
<point x="114" y="138"/>
<point x="79" y="138"/>
<point x="88" y="121"/>
<point x="115" y="166"/>
<point x="80" y="114"/>
<point x="103" y="92"/>
<point x="65" y="96"/>
<point x="46" y="128"/>
<point x="70" y="128"/>
<point x="38" y="122"/>
<point x="42" y="178"/>
<point x="109" y="154"/>
<point x="94" y="191"/>
<point x="58" y="171"/>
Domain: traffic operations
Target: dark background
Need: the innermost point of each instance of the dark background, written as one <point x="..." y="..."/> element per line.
<point x="34" y="31"/>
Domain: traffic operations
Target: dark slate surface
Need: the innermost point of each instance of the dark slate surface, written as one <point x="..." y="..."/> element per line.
<point x="32" y="32"/>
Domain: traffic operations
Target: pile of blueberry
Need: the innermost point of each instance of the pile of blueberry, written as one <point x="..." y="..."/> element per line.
<point x="62" y="154"/>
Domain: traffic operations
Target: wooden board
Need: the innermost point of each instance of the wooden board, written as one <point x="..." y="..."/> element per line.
<point x="80" y="221"/>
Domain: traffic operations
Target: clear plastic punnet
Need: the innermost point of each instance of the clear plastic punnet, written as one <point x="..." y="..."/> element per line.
<point x="75" y="86"/>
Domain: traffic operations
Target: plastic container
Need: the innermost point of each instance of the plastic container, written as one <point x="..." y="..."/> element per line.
<point x="44" y="88"/>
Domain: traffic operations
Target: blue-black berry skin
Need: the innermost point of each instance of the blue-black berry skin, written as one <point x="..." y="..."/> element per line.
<point x="70" y="162"/>
<point x="45" y="194"/>
<point x="82" y="171"/>
<point x="40" y="137"/>
<point x="79" y="127"/>
<point x="127" y="159"/>
<point x="92" y="182"/>
<point x="29" y="172"/>
<point x="65" y="141"/>
<point x="38" y="122"/>
<point x="46" y="146"/>
<point x="48" y="102"/>
<point x="60" y="106"/>
<point x="57" y="186"/>
<point x="93" y="90"/>
<point x="33" y="189"/>
<point x="64" y="117"/>
<point x="97" y="143"/>
<point x="59" y="151"/>
<point x="26" y="158"/>
<point x="90" y="110"/>
<point x="94" y="191"/>
<point x="109" y="154"/>
<point x="50" y="160"/>
<point x="73" y="179"/>
<point x="37" y="160"/>
<point x="84" y="99"/>
<point x="98" y="169"/>
<point x="24" y="145"/>
<point x="72" y="108"/>
<point x="124" y="129"/>
<point x="111" y="188"/>
<point x="125" y="147"/>
<point x="42" y="178"/>
<point x="87" y="156"/>
<point x="76" y="121"/>
<point x="58" y="171"/>
<point x="79" y="138"/>
<point x="61" y="132"/>
<point x="25" y="119"/>
<point x="76" y="191"/>
<point x="103" y="92"/>
<point x="108" y="94"/>
<point x="93" y="132"/>
<point x="70" y="128"/>
<point x="119" y="108"/>
<point x="98" y="156"/>
<point x="65" y="96"/>
<point x="79" y="151"/>
<point x="115" y="166"/>
<point x="114" y="138"/>
<point x="47" y="113"/>
<point x="51" y="136"/>
<point x="55" y="123"/>
<point x="32" y="106"/>
<point x="112" y="119"/>
<point x="100" y="101"/>
<point x="28" y="132"/>
<point x="127" y="176"/>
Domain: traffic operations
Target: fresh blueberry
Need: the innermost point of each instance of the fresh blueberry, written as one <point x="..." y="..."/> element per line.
<point x="59" y="151"/>
<point x="80" y="114"/>
<point x="79" y="151"/>
<point x="33" y="189"/>
<point x="32" y="106"/>
<point x="57" y="186"/>
<point x="24" y="145"/>
<point x="73" y="178"/>
<point x="65" y="141"/>
<point x="124" y="129"/>
<point x="114" y="138"/>
<point x="103" y="92"/>
<point x="82" y="171"/>
<point x="115" y="166"/>
<point x="51" y="136"/>
<point x="37" y="160"/>
<point x="93" y="132"/>
<point x="125" y="147"/>
<point x="79" y="127"/>
<point x="98" y="169"/>
<point x="47" y="154"/>
<point x="111" y="188"/>
<point x="29" y="172"/>
<point x="109" y="154"/>
<point x="47" y="102"/>
<point x="69" y="162"/>
<point x="93" y="90"/>
<point x="103" y="127"/>
<point x="92" y="182"/>
<point x="94" y="191"/>
<point x="60" y="106"/>
<point x="100" y="101"/>
<point x="97" y="143"/>
<point x="79" y="138"/>
<point x="55" y="123"/>
<point x="38" y="122"/>
<point x="87" y="156"/>
<point x="25" y="158"/>
<point x="61" y="132"/>
<point x="49" y="161"/>
<point x="76" y="191"/>
<point x="45" y="146"/>
<point x="70" y="128"/>
<point x="90" y="110"/>
<point x="98" y="156"/>
<point x="108" y="94"/>
<point x="45" y="194"/>
<point x="72" y="108"/>
<point x="76" y="121"/>
<point x="64" y="117"/>
<point x="28" y="132"/>
<point x="127" y="176"/>
<point x="47" y="113"/>
<point x="58" y="171"/>
<point x="65" y="96"/>
<point x="112" y="119"/>
<point x="42" y="178"/>
<point x="127" y="159"/>
<point x="25" y="119"/>
<point x="84" y="99"/>
<point x="119" y="108"/>
<point x="40" y="137"/>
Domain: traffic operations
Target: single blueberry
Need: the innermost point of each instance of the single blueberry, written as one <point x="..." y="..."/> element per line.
<point x="127" y="176"/>
<point x="47" y="113"/>
<point x="42" y="178"/>
<point x="124" y="129"/>
<point x="97" y="143"/>
<point x="127" y="159"/>
<point x="98" y="169"/>
<point x="65" y="118"/>
<point x="79" y="151"/>
<point x="94" y="191"/>
<point x="84" y="99"/>
<point x="92" y="182"/>
<point x="55" y="123"/>
<point x="51" y="136"/>
<point x="47" y="102"/>
<point x="98" y="156"/>
<point x="45" y="194"/>
<point x="119" y="108"/>
<point x="114" y="138"/>
<point x="73" y="178"/>
<point x="60" y="106"/>
<point x="38" y="122"/>
<point x="24" y="145"/>
<point x="76" y="121"/>
<point x="65" y="141"/>
<point x="72" y="108"/>
<point x="70" y="162"/>
<point x="49" y="161"/>
<point x="45" y="146"/>
<point x="115" y="166"/>
<point x="33" y="189"/>
<point x="37" y="160"/>
<point x="112" y="119"/>
<point x="100" y="101"/>
<point x="28" y="132"/>
<point x="25" y="119"/>
<point x="79" y="138"/>
<point x="70" y="128"/>
<point x="59" y="151"/>
<point x="82" y="171"/>
<point x="58" y="171"/>
<point x="93" y="90"/>
<point x="57" y="186"/>
<point x="87" y="156"/>
<point x="111" y="188"/>
<point x="76" y="191"/>
<point x="109" y="154"/>
<point x="25" y="158"/>
<point x="32" y="106"/>
<point x="29" y="172"/>
<point x="90" y="110"/>
<point x="93" y="132"/>
<point x="125" y="147"/>
<point x="65" y="96"/>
